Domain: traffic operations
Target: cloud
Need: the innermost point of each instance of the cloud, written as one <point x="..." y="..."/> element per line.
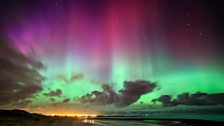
<point x="107" y="96"/>
<point x="19" y="75"/>
<point x="197" y="99"/>
<point x="23" y="103"/>
<point x="73" y="77"/>
<point x="131" y="92"/>
<point x="52" y="99"/>
<point x="66" y="100"/>
<point x="57" y="92"/>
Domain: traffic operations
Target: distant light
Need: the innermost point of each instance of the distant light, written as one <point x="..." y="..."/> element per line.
<point x="89" y="121"/>
<point x="73" y="115"/>
<point x="85" y="115"/>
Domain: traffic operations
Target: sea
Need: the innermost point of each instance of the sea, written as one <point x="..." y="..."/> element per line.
<point x="131" y="123"/>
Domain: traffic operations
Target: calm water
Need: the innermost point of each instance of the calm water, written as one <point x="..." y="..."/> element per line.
<point x="127" y="123"/>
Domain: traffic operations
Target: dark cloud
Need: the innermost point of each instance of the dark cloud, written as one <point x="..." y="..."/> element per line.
<point x="66" y="100"/>
<point x="107" y="96"/>
<point x="19" y="77"/>
<point x="57" y="92"/>
<point x="197" y="99"/>
<point x="131" y="92"/>
<point x="23" y="103"/>
<point x="166" y="100"/>
<point x="52" y="99"/>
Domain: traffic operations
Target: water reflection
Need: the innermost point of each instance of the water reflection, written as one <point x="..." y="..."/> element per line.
<point x="88" y="121"/>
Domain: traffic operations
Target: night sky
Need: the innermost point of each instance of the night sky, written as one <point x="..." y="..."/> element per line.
<point x="108" y="56"/>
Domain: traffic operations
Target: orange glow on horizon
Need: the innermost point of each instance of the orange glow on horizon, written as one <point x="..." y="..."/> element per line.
<point x="72" y="115"/>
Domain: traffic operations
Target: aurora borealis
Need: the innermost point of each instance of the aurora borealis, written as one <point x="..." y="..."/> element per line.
<point x="85" y="44"/>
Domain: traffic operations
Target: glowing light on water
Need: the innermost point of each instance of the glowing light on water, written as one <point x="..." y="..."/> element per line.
<point x="88" y="121"/>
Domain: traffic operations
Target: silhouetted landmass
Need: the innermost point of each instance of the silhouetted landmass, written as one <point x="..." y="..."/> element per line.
<point x="23" y="118"/>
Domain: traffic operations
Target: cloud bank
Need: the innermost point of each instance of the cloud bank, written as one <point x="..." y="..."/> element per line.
<point x="130" y="93"/>
<point x="19" y="77"/>
<point x="197" y="99"/>
<point x="57" y="92"/>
